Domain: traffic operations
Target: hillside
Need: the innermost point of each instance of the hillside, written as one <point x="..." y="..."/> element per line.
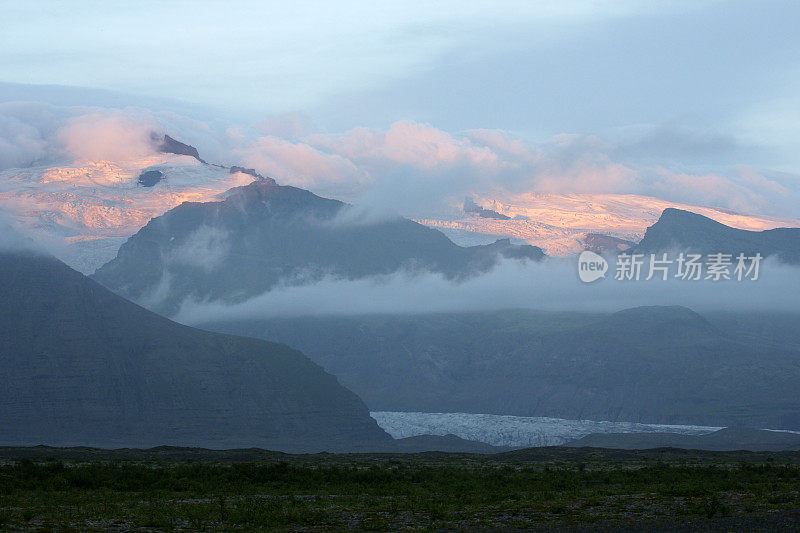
<point x="82" y="366"/>
<point x="658" y="365"/>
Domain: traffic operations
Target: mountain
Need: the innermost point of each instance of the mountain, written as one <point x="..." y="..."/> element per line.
<point x="677" y="229"/>
<point x="727" y="439"/>
<point x="82" y="366"/>
<point x="168" y="145"/>
<point x="656" y="365"/>
<point x="264" y="234"/>
<point x="563" y="224"/>
<point x="91" y="206"/>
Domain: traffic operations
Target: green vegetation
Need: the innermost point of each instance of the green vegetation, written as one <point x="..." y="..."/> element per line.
<point x="174" y="489"/>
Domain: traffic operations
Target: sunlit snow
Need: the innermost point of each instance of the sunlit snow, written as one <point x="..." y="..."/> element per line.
<point x="86" y="209"/>
<point x="558" y="223"/>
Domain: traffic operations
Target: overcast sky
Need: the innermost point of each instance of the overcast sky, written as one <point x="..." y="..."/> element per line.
<point x="695" y="87"/>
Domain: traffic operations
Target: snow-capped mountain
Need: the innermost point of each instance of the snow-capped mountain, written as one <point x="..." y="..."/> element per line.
<point x="264" y="235"/>
<point x="88" y="208"/>
<point x="563" y="224"/>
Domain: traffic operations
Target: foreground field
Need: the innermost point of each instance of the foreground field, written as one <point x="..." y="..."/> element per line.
<point x="548" y="488"/>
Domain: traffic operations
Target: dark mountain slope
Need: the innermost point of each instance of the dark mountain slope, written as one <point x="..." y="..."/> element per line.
<point x="168" y="145"/>
<point x="263" y="234"/>
<point x="82" y="366"/>
<point x="683" y="230"/>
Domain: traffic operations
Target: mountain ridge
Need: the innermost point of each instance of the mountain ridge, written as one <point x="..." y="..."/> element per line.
<point x="168" y="145"/>
<point x="263" y="234"/>
<point x="677" y="229"/>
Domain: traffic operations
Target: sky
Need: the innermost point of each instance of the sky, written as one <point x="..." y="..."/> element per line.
<point x="705" y="89"/>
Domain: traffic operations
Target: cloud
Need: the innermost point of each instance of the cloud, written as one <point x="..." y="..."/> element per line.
<point x="37" y="133"/>
<point x="280" y="56"/>
<point x="20" y="144"/>
<point x="550" y="285"/>
<point x="411" y="167"/>
<point x="14" y="238"/>
<point x="109" y="134"/>
<point x="362" y="215"/>
<point x="670" y="142"/>
<point x="204" y="248"/>
<point x="290" y="126"/>
<point x="416" y="168"/>
<point x="27" y="133"/>
<point x="303" y="165"/>
<point x="410" y="143"/>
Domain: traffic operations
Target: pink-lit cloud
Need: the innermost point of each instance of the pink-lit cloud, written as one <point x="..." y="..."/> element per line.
<point x="411" y="165"/>
<point x="302" y="165"/>
<point x="114" y="135"/>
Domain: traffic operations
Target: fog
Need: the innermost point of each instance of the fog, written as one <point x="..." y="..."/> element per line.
<point x="16" y="239"/>
<point x="551" y="285"/>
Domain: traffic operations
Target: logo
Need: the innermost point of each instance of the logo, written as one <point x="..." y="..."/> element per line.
<point x="591" y="266"/>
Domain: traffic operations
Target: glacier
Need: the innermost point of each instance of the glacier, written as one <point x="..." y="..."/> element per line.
<point x="560" y="223"/>
<point x="514" y="431"/>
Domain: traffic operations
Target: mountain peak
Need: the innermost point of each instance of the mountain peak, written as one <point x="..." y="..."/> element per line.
<point x="679" y="230"/>
<point x="251" y="171"/>
<point x="169" y="145"/>
<point x="141" y="380"/>
<point x="673" y="215"/>
<point x="257" y="191"/>
<point x="263" y="234"/>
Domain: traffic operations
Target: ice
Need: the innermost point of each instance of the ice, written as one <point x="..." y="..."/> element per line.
<point x="514" y="431"/>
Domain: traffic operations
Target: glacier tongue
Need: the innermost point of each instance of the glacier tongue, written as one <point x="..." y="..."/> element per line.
<point x="514" y="431"/>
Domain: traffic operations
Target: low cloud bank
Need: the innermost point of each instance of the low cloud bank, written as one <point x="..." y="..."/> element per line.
<point x="16" y="239"/>
<point x="552" y="285"/>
